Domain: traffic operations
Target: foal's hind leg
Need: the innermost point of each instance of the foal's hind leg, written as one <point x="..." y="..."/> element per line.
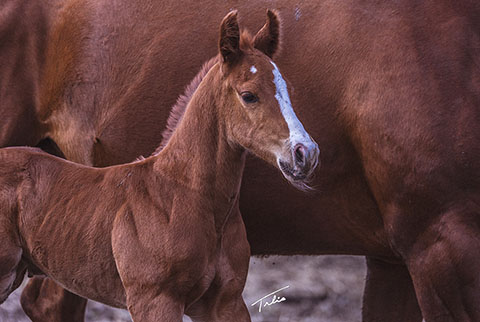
<point x="11" y="271"/>
<point x="45" y="301"/>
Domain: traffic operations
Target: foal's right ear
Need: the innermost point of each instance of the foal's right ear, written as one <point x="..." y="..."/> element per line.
<point x="267" y="40"/>
<point x="229" y="43"/>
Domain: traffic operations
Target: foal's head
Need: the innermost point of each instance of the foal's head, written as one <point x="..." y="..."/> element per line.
<point x="257" y="111"/>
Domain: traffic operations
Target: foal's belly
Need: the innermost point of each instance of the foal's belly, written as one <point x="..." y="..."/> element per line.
<point x="89" y="273"/>
<point x="112" y="294"/>
<point x="78" y="257"/>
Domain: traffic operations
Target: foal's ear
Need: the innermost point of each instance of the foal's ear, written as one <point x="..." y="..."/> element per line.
<point x="267" y="39"/>
<point x="229" y="43"/>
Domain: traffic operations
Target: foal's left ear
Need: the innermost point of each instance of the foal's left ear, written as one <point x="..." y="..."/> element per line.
<point x="229" y="44"/>
<point x="267" y="39"/>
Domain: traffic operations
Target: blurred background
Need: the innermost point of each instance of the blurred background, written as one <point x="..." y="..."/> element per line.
<point x="320" y="289"/>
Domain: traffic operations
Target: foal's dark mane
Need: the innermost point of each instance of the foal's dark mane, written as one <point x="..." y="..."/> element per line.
<point x="180" y="106"/>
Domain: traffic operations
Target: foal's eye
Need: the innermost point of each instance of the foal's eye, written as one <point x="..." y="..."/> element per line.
<point x="248" y="97"/>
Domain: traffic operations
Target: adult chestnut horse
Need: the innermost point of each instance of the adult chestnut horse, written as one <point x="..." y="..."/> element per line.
<point x="389" y="89"/>
<point x="161" y="236"/>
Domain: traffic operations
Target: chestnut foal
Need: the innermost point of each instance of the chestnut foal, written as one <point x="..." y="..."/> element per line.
<point x="161" y="236"/>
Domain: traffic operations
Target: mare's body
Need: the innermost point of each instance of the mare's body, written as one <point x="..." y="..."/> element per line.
<point x="390" y="91"/>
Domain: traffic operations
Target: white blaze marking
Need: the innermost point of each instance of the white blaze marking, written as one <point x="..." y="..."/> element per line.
<point x="297" y="132"/>
<point x="253" y="69"/>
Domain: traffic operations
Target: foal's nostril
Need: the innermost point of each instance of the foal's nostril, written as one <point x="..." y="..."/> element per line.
<point x="299" y="153"/>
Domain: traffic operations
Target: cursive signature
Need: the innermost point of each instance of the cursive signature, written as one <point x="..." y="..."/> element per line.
<point x="275" y="299"/>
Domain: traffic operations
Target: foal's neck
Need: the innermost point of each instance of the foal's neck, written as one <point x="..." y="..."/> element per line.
<point x="198" y="155"/>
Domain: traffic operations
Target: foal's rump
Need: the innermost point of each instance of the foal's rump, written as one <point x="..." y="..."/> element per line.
<point x="39" y="195"/>
<point x="26" y="176"/>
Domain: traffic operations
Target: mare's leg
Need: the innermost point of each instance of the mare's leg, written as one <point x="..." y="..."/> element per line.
<point x="389" y="294"/>
<point x="223" y="301"/>
<point x="444" y="263"/>
<point x="45" y="301"/>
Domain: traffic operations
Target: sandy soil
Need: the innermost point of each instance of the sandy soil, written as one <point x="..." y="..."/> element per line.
<point x="320" y="289"/>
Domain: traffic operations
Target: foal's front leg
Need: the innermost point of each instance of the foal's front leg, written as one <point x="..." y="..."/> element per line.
<point x="154" y="286"/>
<point x="148" y="307"/>
<point x="223" y="300"/>
<point x="147" y="298"/>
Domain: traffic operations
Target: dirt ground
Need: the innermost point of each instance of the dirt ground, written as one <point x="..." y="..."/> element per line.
<point x="320" y="289"/>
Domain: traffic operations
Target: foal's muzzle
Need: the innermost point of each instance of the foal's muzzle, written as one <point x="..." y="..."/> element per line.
<point x="299" y="166"/>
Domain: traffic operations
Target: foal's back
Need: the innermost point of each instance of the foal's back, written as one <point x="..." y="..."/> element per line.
<point x="48" y="190"/>
<point x="46" y="180"/>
